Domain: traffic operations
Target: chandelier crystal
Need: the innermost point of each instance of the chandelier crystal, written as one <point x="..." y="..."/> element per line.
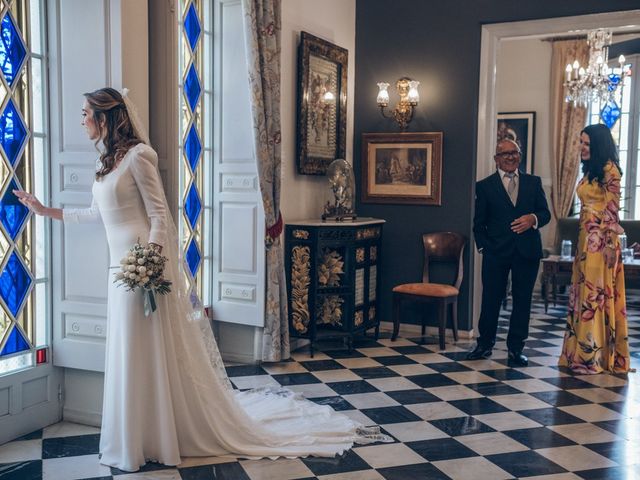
<point x="597" y="81"/>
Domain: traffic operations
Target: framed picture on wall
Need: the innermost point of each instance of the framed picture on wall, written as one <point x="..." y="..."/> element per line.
<point x="521" y="128"/>
<point x="322" y="104"/>
<point x="402" y="168"/>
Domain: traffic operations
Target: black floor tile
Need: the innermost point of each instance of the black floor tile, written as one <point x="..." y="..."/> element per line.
<point x="375" y="372"/>
<point x="431" y="380"/>
<point x="394" y="360"/>
<point x="448" y="367"/>
<point x="559" y="398"/>
<point x="457" y="356"/>
<point x="424" y="340"/>
<point x="318" y="365"/>
<point x="619" y="452"/>
<point x="386" y="415"/>
<point x="550" y="416"/>
<point x="413" y="472"/>
<point x="296" y="379"/>
<point x="540" y="437"/>
<point x="461" y="426"/>
<point x="343" y="353"/>
<point x="31" y="436"/>
<point x="337" y="403"/>
<point x="613" y="473"/>
<point x="616" y="406"/>
<point x="222" y="471"/>
<point x="149" y="467"/>
<point x="411" y="349"/>
<point x="408" y="397"/>
<point x="617" y="427"/>
<point x="525" y="464"/>
<point x="506" y="374"/>
<point x="348" y="462"/>
<point x="441" y="449"/>
<point x="494" y="389"/>
<point x="350" y="387"/>
<point x="21" y="470"/>
<point x="569" y="383"/>
<point x="245" y="370"/>
<point x="478" y="406"/>
<point x="70" y="446"/>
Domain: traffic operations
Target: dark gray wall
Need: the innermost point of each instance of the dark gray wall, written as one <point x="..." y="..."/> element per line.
<point x="437" y="43"/>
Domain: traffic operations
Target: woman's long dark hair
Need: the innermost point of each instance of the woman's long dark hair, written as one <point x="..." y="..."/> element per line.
<point x="602" y="149"/>
<point x="114" y="127"/>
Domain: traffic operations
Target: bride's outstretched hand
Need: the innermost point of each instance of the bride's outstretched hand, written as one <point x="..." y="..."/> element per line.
<point x="30" y="201"/>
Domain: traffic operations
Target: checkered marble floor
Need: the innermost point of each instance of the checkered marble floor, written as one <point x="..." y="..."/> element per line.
<point x="451" y="418"/>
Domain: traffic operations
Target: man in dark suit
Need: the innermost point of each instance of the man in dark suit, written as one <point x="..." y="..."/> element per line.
<point x="510" y="209"/>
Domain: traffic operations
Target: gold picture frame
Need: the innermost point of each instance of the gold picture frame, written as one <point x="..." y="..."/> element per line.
<point x="404" y="168"/>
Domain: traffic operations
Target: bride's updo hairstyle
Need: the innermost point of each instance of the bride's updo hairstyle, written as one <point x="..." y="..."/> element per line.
<point x="114" y="126"/>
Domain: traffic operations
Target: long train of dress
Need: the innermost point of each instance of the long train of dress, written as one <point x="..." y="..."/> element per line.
<point x="166" y="394"/>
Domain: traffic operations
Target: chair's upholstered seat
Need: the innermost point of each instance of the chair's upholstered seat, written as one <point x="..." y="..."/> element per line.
<point x="427" y="289"/>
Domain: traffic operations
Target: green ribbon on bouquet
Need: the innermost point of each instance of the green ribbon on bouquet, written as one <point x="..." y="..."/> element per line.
<point x="150" y="305"/>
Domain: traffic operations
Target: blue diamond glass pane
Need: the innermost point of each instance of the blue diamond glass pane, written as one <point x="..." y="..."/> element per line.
<point x="13" y="133"/>
<point x="15" y="343"/>
<point x="193" y="258"/>
<point x="192" y="205"/>
<point x="192" y="26"/>
<point x="614" y="81"/>
<point x="12" y="213"/>
<point x="610" y="113"/>
<point x="14" y="284"/>
<point x="192" y="87"/>
<point x="192" y="148"/>
<point x="12" y="50"/>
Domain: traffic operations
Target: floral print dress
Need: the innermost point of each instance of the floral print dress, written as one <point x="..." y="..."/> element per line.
<point x="595" y="340"/>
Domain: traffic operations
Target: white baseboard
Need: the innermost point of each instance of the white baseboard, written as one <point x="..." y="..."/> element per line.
<point x="92" y="419"/>
<point x="416" y="330"/>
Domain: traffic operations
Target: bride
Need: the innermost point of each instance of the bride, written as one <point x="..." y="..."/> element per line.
<point x="166" y="393"/>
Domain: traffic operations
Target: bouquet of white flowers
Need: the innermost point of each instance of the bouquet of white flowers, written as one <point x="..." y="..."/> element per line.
<point x="143" y="267"/>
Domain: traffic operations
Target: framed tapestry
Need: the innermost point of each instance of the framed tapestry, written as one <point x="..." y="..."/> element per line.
<point x="521" y="128"/>
<point x="322" y="104"/>
<point x="402" y="168"/>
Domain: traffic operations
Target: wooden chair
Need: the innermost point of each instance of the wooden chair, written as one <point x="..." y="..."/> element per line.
<point x="438" y="247"/>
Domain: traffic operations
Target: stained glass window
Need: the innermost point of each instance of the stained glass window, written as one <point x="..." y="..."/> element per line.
<point x="618" y="115"/>
<point x="194" y="90"/>
<point x="23" y="261"/>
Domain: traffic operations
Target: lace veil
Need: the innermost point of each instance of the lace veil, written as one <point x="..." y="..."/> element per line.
<point x="190" y="320"/>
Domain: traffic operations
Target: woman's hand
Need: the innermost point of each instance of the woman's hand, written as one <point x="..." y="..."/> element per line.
<point x="609" y="254"/>
<point x="156" y="247"/>
<point x="31" y="202"/>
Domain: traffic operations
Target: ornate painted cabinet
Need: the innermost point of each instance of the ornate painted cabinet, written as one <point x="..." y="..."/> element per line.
<point x="332" y="277"/>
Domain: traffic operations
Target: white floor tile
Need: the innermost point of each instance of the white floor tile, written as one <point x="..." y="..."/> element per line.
<point x="282" y="469"/>
<point x="21" y="451"/>
<point x="73" y="468"/>
<point x="414" y="431"/>
<point x="389" y="455"/>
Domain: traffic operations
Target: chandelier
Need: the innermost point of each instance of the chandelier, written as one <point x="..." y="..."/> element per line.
<point x="597" y="82"/>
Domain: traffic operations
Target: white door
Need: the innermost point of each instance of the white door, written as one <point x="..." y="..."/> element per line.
<point x="90" y="48"/>
<point x="238" y="216"/>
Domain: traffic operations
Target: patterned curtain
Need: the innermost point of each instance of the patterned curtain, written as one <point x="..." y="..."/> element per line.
<point x="262" y="26"/>
<point x="566" y="123"/>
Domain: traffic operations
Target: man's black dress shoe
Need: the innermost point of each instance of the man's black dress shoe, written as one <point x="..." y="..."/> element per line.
<point x="479" y="353"/>
<point x="518" y="358"/>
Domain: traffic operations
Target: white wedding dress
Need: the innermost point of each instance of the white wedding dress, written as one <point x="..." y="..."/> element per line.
<point x="166" y="394"/>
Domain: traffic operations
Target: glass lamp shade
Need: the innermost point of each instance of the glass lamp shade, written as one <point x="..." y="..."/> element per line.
<point x="413" y="96"/>
<point x="383" y="94"/>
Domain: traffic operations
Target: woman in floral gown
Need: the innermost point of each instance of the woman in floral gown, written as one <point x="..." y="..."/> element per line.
<point x="595" y="340"/>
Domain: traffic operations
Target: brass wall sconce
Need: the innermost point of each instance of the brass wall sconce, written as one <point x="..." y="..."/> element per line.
<point x="409" y="98"/>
